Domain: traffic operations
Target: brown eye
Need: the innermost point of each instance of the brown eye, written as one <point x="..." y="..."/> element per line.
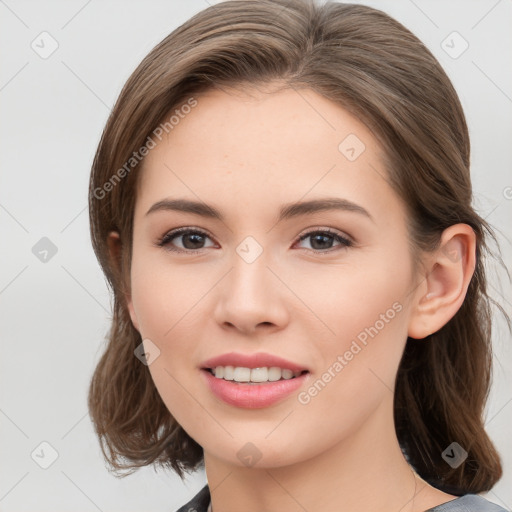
<point x="321" y="240"/>
<point x="192" y="240"/>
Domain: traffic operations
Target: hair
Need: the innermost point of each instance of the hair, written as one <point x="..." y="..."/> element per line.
<point x="372" y="66"/>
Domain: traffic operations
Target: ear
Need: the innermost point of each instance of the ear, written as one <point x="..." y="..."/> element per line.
<point x="446" y="278"/>
<point x="114" y="247"/>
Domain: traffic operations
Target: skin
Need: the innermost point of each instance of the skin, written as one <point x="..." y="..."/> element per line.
<point x="247" y="155"/>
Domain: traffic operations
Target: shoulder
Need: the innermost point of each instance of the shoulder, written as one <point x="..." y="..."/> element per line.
<point x="199" y="503"/>
<point x="468" y="503"/>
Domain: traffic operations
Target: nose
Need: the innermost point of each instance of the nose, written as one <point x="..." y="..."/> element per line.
<point x="251" y="298"/>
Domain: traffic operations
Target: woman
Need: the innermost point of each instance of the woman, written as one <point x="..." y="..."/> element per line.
<point x="281" y="203"/>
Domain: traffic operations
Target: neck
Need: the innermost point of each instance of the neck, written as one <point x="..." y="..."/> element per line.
<point x="364" y="471"/>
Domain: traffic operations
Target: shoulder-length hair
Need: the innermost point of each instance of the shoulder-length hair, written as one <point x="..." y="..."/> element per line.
<point x="372" y="66"/>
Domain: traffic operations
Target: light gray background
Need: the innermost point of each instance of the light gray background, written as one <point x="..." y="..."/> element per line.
<point x="54" y="314"/>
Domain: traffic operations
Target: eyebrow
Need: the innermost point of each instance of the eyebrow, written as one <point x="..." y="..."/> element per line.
<point x="287" y="211"/>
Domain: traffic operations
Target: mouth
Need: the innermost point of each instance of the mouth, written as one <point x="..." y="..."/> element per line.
<point x="252" y="376"/>
<point x="235" y="386"/>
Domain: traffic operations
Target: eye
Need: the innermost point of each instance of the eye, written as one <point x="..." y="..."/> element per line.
<point x="321" y="238"/>
<point x="193" y="240"/>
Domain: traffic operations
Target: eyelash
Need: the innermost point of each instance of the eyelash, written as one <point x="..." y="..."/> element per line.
<point x="164" y="241"/>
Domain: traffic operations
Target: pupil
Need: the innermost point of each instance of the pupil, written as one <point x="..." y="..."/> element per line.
<point x="197" y="242"/>
<point x="325" y="240"/>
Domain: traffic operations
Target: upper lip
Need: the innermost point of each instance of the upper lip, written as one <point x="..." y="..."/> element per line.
<point x="258" y="360"/>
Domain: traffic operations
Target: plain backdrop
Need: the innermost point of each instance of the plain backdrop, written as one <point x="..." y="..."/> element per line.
<point x="55" y="306"/>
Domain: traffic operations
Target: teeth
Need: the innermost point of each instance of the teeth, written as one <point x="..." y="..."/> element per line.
<point x="242" y="374"/>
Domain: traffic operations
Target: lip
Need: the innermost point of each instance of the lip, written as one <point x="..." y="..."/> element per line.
<point x="253" y="396"/>
<point x="258" y="360"/>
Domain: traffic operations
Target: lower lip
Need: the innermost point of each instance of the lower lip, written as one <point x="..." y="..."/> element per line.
<point x="253" y="396"/>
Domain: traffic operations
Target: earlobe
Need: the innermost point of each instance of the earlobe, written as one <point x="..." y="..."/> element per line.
<point x="448" y="274"/>
<point x="114" y="248"/>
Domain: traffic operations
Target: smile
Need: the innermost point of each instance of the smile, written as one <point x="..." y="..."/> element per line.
<point x="253" y="395"/>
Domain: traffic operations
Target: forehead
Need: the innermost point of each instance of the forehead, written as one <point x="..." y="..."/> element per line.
<point x="256" y="147"/>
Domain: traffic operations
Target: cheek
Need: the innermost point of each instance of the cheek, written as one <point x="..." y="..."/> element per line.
<point x="165" y="295"/>
<point x="370" y="290"/>
<point x="359" y="363"/>
<point x="170" y="313"/>
<point x="364" y="310"/>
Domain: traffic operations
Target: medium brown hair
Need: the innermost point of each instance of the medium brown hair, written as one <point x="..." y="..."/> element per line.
<point x="372" y="66"/>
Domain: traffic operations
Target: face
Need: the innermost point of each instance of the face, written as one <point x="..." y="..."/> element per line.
<point x="329" y="290"/>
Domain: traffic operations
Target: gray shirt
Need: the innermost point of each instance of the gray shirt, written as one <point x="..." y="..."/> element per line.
<point x="467" y="503"/>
